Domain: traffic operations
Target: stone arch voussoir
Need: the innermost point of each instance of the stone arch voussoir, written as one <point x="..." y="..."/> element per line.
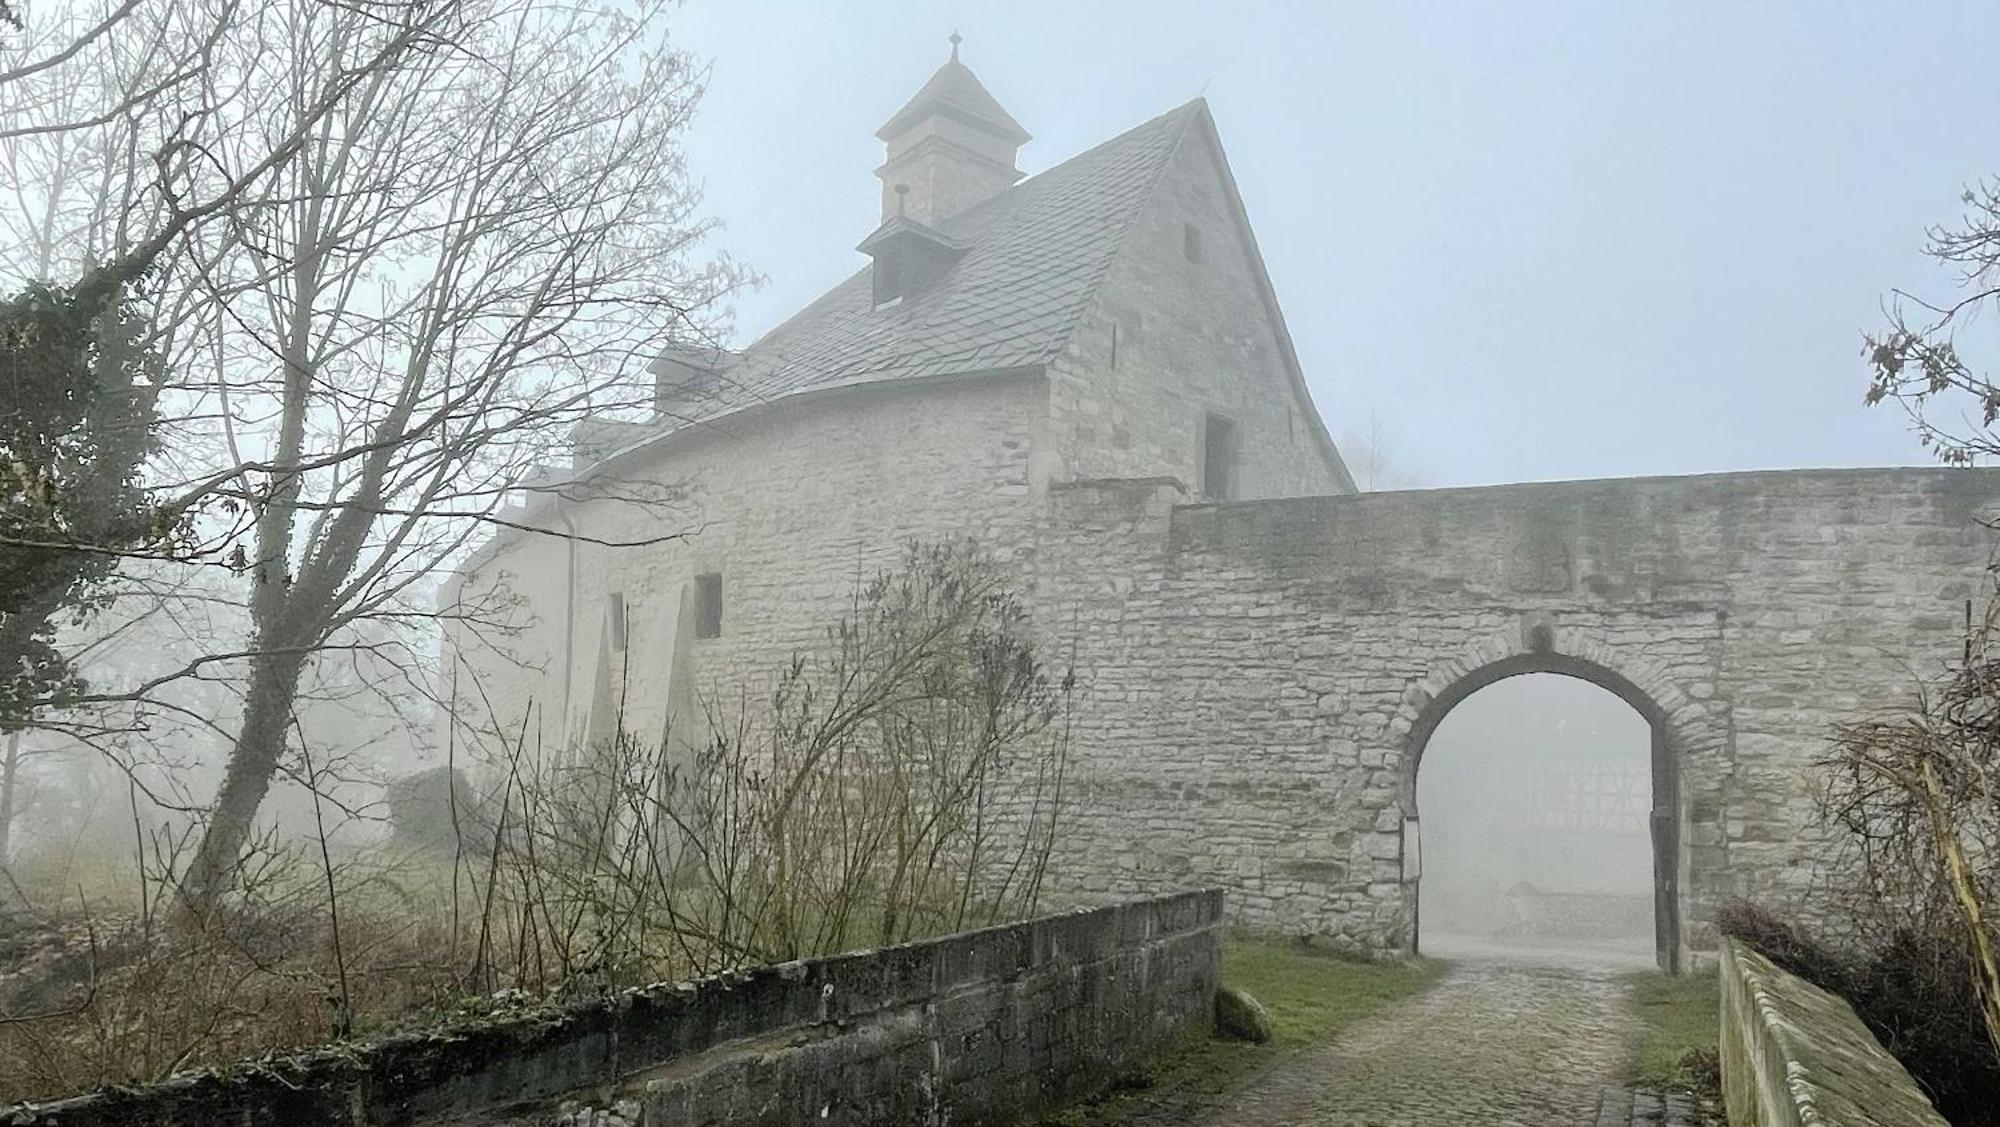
<point x="1686" y="717"/>
<point x="1682" y="725"/>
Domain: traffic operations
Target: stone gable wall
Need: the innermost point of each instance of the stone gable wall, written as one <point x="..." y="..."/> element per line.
<point x="1191" y="337"/>
<point x="1256" y="673"/>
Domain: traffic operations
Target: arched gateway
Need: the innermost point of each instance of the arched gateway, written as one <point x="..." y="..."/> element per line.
<point x="1264" y="676"/>
<point x="1675" y="724"/>
<point x="1256" y="672"/>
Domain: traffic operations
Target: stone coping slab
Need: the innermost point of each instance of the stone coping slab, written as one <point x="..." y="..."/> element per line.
<point x="1795" y="1055"/>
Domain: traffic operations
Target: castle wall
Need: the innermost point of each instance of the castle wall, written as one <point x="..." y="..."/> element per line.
<point x="794" y="505"/>
<point x="1191" y="337"/>
<point x="1260" y="676"/>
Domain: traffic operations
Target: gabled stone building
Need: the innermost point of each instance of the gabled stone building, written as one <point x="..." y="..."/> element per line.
<point x="1109" y="317"/>
<point x="1086" y="370"/>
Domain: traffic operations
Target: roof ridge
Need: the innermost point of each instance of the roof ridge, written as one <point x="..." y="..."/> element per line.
<point x="1037" y="253"/>
<point x="1012" y="191"/>
<point x="1008" y="195"/>
<point x="1189" y="111"/>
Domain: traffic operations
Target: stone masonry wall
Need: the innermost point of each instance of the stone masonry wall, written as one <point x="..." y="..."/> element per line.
<point x="794" y="506"/>
<point x="1259" y="676"/>
<point x="1192" y="336"/>
<point x="985" y="1027"/>
<point x="1793" y="1055"/>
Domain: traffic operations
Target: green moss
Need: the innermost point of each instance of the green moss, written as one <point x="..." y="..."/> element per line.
<point x="1682" y="1014"/>
<point x="1313" y="996"/>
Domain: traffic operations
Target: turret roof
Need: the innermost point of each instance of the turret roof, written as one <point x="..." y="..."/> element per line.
<point x="956" y="92"/>
<point x="1035" y="254"/>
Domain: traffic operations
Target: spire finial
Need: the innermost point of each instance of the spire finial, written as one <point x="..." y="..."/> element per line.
<point x="956" y="39"/>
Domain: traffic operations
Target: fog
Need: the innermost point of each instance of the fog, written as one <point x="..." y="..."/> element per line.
<point x="509" y="502"/>
<point x="1533" y="797"/>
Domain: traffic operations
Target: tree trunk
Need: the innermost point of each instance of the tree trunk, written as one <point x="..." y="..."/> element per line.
<point x="9" y="772"/>
<point x="267" y="716"/>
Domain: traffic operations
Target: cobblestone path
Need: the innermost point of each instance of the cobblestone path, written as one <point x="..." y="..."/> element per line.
<point x="1491" y="1044"/>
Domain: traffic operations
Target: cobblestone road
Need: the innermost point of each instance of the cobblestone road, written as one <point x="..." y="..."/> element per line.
<point x="1492" y="1043"/>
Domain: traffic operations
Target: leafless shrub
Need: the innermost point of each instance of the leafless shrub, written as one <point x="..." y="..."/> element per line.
<point x="904" y="779"/>
<point x="1915" y="792"/>
<point x="1911" y="791"/>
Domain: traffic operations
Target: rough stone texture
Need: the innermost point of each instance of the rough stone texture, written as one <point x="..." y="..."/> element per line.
<point x="1492" y="1044"/>
<point x="1170" y="340"/>
<point x="1261" y="675"/>
<point x="946" y="418"/>
<point x="981" y="1027"/>
<point x="1793" y="1054"/>
<point x="794" y="506"/>
<point x="1240" y="1016"/>
<point x="1643" y="1107"/>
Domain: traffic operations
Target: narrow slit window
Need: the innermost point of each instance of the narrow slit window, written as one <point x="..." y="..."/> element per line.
<point x="1218" y="459"/>
<point x="1191" y="242"/>
<point x="615" y="619"/>
<point x="708" y="606"/>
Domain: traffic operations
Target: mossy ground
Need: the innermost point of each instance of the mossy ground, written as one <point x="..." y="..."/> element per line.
<point x="1313" y="995"/>
<point x="1682" y="1015"/>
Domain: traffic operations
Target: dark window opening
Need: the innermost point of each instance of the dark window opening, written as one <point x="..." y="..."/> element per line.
<point x="708" y="606"/>
<point x="1218" y="459"/>
<point x="1191" y="242"/>
<point x="888" y="280"/>
<point x="615" y="614"/>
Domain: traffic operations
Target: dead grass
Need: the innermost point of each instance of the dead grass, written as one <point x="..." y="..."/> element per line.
<point x="97" y="991"/>
<point x="100" y="988"/>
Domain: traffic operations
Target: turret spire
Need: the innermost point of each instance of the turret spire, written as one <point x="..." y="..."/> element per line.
<point x="952" y="145"/>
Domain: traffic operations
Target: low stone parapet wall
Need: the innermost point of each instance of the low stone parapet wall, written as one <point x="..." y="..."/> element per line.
<point x="983" y="1027"/>
<point x="1794" y="1054"/>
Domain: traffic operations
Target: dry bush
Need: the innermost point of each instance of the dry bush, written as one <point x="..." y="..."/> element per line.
<point x="119" y="992"/>
<point x="1914" y="792"/>
<point x="903" y="781"/>
<point x="1911" y="792"/>
<point x="906" y="779"/>
<point x="1915" y="992"/>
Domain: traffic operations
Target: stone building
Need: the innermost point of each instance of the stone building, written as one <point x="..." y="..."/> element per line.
<point x="1109" y="317"/>
<point x="1086" y="370"/>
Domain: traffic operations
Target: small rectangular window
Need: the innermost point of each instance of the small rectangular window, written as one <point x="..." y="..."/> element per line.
<point x="708" y="606"/>
<point x="1191" y="242"/>
<point x="1218" y="459"/>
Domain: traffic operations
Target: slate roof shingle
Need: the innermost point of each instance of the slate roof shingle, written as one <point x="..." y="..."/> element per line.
<point x="1036" y="253"/>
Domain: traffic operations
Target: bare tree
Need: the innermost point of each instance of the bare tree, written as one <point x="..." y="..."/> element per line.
<point x="1916" y="362"/>
<point x="476" y="252"/>
<point x="1916" y="790"/>
<point x="107" y="167"/>
<point x="1371" y="460"/>
<point x="114" y="111"/>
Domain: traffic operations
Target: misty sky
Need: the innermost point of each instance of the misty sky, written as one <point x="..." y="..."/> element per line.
<point x="1534" y="242"/>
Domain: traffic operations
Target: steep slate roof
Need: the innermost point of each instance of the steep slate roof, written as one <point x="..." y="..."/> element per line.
<point x="1036" y="252"/>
